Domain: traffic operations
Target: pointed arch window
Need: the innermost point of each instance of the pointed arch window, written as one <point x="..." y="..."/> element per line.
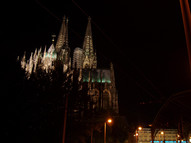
<point x="105" y="100"/>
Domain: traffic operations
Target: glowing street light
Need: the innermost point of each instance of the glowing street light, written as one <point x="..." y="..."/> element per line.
<point x="140" y="128"/>
<point x="177" y="137"/>
<point x="163" y="135"/>
<point x="109" y="121"/>
<point x="137" y="134"/>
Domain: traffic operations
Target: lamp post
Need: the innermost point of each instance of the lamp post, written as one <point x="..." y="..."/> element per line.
<point x="163" y="134"/>
<point x="65" y="118"/>
<point x="186" y="17"/>
<point x="177" y="137"/>
<point x="137" y="134"/>
<point x="109" y="121"/>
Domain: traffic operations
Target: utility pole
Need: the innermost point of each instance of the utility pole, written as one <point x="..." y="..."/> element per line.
<point x="92" y="135"/>
<point x="105" y="124"/>
<point x="186" y="17"/>
<point x="109" y="121"/>
<point x="65" y="118"/>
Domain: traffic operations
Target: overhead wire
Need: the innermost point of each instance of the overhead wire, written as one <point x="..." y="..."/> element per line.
<point x="173" y="101"/>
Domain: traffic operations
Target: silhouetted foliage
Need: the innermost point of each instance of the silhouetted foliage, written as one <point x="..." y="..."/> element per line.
<point x="119" y="129"/>
<point x="41" y="113"/>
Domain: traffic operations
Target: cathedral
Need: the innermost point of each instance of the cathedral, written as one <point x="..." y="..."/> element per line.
<point x="100" y="82"/>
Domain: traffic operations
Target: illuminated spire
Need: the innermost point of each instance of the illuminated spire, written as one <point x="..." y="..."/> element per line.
<point x="66" y="34"/>
<point x="35" y="60"/>
<point x="51" y="49"/>
<point x="88" y="42"/>
<point x="44" y="54"/>
<point x="88" y="51"/>
<point x="30" y="64"/>
<point x="23" y="61"/>
<point x="62" y="35"/>
<point x="89" y="29"/>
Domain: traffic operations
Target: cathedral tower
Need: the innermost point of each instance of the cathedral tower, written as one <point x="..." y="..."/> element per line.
<point x="100" y="83"/>
<point x="62" y="46"/>
<point x="89" y="56"/>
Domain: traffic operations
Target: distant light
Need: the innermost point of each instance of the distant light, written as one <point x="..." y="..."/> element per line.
<point x="162" y="133"/>
<point x="140" y="128"/>
<point x="109" y="120"/>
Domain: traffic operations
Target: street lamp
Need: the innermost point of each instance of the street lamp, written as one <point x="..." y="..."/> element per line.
<point x="163" y="134"/>
<point x="177" y="138"/>
<point x="136" y="133"/>
<point x="140" y="128"/>
<point x="109" y="121"/>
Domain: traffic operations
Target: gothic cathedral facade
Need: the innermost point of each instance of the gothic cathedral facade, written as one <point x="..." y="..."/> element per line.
<point x="100" y="82"/>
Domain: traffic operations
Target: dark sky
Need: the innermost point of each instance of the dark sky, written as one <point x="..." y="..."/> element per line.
<point x="144" y="40"/>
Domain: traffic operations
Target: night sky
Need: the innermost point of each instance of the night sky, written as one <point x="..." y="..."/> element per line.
<point x="144" y="40"/>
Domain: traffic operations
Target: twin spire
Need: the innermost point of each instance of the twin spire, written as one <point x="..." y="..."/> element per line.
<point x="63" y="35"/>
<point x="89" y="56"/>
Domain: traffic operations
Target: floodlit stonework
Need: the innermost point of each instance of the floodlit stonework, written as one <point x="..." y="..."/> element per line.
<point x="100" y="82"/>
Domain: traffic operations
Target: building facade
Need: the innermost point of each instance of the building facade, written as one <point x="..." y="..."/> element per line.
<point x="100" y="82"/>
<point x="162" y="136"/>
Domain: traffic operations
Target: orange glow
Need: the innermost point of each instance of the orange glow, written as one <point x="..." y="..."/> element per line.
<point x="140" y="128"/>
<point x="162" y="133"/>
<point x="109" y="121"/>
<point x="186" y="17"/>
